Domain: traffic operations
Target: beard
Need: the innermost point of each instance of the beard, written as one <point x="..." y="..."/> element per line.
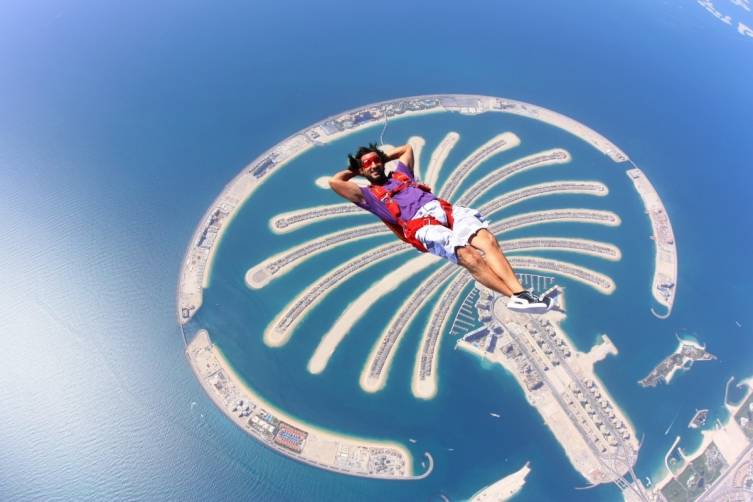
<point x="380" y="178"/>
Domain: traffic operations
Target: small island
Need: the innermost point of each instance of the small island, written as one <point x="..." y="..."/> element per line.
<point x="505" y="488"/>
<point x="699" y="419"/>
<point x="682" y="358"/>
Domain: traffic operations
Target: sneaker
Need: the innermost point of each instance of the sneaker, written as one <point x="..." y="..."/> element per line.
<point x="527" y="302"/>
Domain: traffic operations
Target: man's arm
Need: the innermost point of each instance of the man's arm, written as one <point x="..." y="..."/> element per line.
<point x="340" y="184"/>
<point x="404" y="154"/>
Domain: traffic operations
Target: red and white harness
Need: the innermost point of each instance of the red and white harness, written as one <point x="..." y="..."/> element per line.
<point x="406" y="230"/>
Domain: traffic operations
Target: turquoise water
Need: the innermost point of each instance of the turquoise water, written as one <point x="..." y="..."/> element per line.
<point x="120" y="125"/>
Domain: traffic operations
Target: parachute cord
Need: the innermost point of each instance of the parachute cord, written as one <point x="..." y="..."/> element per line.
<point x="381" y="136"/>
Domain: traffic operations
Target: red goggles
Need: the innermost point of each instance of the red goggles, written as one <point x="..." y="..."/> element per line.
<point x="369" y="160"/>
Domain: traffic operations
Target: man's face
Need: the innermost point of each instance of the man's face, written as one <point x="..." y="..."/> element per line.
<point x="372" y="168"/>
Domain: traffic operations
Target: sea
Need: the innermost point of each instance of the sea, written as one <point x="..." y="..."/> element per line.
<point x="121" y="123"/>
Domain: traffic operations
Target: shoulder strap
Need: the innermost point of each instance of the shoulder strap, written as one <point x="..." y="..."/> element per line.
<point x="378" y="191"/>
<point x="402" y="177"/>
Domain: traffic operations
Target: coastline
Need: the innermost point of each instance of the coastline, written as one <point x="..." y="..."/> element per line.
<point x="560" y="187"/>
<point x="321" y="448"/>
<point x="418" y="143"/>
<point x="545" y="158"/>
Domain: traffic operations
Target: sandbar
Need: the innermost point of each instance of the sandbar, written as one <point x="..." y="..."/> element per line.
<point x="360" y="305"/>
<point x="505" y="488"/>
<point x="376" y="370"/>
<point x="439" y="156"/>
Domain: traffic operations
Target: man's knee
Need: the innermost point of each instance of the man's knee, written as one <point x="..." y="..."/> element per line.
<point x="484" y="239"/>
<point x="469" y="257"/>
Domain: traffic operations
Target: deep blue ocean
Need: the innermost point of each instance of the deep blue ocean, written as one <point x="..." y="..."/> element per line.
<point x="120" y="124"/>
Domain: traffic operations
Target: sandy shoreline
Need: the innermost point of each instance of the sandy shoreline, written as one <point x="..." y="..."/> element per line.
<point x="505" y="488"/>
<point x="664" y="285"/>
<point x="290" y="221"/>
<point x="560" y="187"/>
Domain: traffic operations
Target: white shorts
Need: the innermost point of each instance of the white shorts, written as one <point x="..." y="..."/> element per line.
<point x="442" y="241"/>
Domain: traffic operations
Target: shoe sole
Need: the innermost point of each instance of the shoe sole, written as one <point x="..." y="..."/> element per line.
<point x="532" y="308"/>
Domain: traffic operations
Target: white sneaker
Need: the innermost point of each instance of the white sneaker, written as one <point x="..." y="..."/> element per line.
<point x="527" y="302"/>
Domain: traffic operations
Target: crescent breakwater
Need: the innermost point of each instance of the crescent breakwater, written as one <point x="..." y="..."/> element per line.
<point x="289" y="436"/>
<point x="664" y="285"/>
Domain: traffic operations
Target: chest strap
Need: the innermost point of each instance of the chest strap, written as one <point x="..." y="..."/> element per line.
<point x="406" y="230"/>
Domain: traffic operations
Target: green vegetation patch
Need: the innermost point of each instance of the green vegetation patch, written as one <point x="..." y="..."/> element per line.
<point x="698" y="475"/>
<point x="710" y="464"/>
<point x="674" y="492"/>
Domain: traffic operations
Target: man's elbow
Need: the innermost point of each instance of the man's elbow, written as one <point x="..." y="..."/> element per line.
<point x="338" y="188"/>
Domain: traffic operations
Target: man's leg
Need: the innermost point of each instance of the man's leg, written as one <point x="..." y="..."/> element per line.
<point x="486" y="242"/>
<point x="471" y="259"/>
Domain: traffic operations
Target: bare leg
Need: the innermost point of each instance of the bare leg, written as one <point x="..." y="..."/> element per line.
<point x="471" y="259"/>
<point x="486" y="242"/>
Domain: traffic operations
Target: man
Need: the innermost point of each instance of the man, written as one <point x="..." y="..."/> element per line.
<point x="458" y="234"/>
